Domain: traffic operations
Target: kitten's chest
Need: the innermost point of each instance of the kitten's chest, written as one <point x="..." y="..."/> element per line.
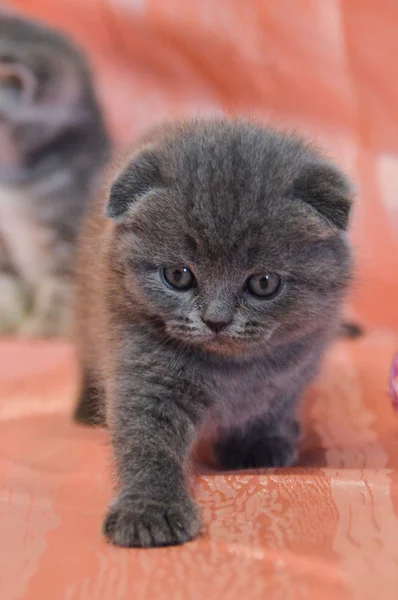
<point x="235" y="398"/>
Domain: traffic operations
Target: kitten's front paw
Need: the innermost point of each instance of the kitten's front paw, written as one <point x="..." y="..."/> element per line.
<point x="51" y="314"/>
<point x="13" y="303"/>
<point x="235" y="452"/>
<point x="135" y="522"/>
<point x="54" y="323"/>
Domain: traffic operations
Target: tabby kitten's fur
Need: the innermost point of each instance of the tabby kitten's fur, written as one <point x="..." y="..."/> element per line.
<point x="52" y="145"/>
<point x="211" y="277"/>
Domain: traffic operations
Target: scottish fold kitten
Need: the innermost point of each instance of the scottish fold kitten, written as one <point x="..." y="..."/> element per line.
<point x="52" y="145"/>
<point x="211" y="276"/>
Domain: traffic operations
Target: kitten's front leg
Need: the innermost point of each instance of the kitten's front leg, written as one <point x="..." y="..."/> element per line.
<point x="13" y="303"/>
<point x="153" y="424"/>
<point x="14" y="297"/>
<point x="260" y="443"/>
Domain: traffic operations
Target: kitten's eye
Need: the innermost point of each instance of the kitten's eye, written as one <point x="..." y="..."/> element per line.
<point x="179" y="278"/>
<point x="264" y="285"/>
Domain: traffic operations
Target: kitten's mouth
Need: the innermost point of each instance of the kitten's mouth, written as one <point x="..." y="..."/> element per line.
<point x="218" y="343"/>
<point x="226" y="345"/>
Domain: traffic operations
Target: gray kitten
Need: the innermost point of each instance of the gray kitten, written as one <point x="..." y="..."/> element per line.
<point x="211" y="278"/>
<point x="52" y="144"/>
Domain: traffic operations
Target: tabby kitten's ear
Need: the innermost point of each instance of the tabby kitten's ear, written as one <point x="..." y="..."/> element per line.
<point x="17" y="88"/>
<point x="17" y="84"/>
<point x="327" y="190"/>
<point x="140" y="176"/>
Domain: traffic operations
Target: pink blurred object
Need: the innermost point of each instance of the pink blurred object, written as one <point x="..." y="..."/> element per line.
<point x="394" y="383"/>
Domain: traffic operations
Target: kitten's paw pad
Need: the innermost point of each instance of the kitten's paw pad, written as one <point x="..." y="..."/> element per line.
<point x="144" y="524"/>
<point x="267" y="452"/>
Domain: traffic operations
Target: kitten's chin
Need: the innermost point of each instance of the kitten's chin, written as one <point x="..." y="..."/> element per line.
<point x="225" y="348"/>
<point x="230" y="347"/>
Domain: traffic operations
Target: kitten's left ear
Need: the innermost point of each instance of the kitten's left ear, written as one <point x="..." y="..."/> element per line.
<point x="327" y="190"/>
<point x="17" y="85"/>
<point x="140" y="176"/>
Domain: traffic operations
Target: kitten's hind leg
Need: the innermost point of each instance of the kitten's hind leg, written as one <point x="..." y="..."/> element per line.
<point x="90" y="409"/>
<point x="259" y="444"/>
<point x="351" y="330"/>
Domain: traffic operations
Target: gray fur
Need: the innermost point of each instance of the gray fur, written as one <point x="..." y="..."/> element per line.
<point x="52" y="145"/>
<point x="227" y="199"/>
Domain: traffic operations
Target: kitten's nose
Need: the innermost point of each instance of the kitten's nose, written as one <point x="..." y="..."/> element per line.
<point x="216" y="325"/>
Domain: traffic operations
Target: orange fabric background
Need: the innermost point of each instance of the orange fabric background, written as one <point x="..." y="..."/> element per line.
<point x="329" y="528"/>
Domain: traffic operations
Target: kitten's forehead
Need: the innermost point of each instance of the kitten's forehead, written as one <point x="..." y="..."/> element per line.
<point x="233" y="181"/>
<point x="233" y="189"/>
<point x="226" y="155"/>
<point x="176" y="235"/>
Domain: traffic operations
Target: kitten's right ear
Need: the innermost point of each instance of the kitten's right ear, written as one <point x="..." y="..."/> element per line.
<point x="141" y="175"/>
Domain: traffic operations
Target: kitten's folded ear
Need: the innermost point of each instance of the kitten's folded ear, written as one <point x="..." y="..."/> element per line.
<point x="141" y="175"/>
<point x="17" y="85"/>
<point x="327" y="190"/>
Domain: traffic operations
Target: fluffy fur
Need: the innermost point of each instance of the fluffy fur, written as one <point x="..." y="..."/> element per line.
<point x="227" y="199"/>
<point x="52" y="144"/>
